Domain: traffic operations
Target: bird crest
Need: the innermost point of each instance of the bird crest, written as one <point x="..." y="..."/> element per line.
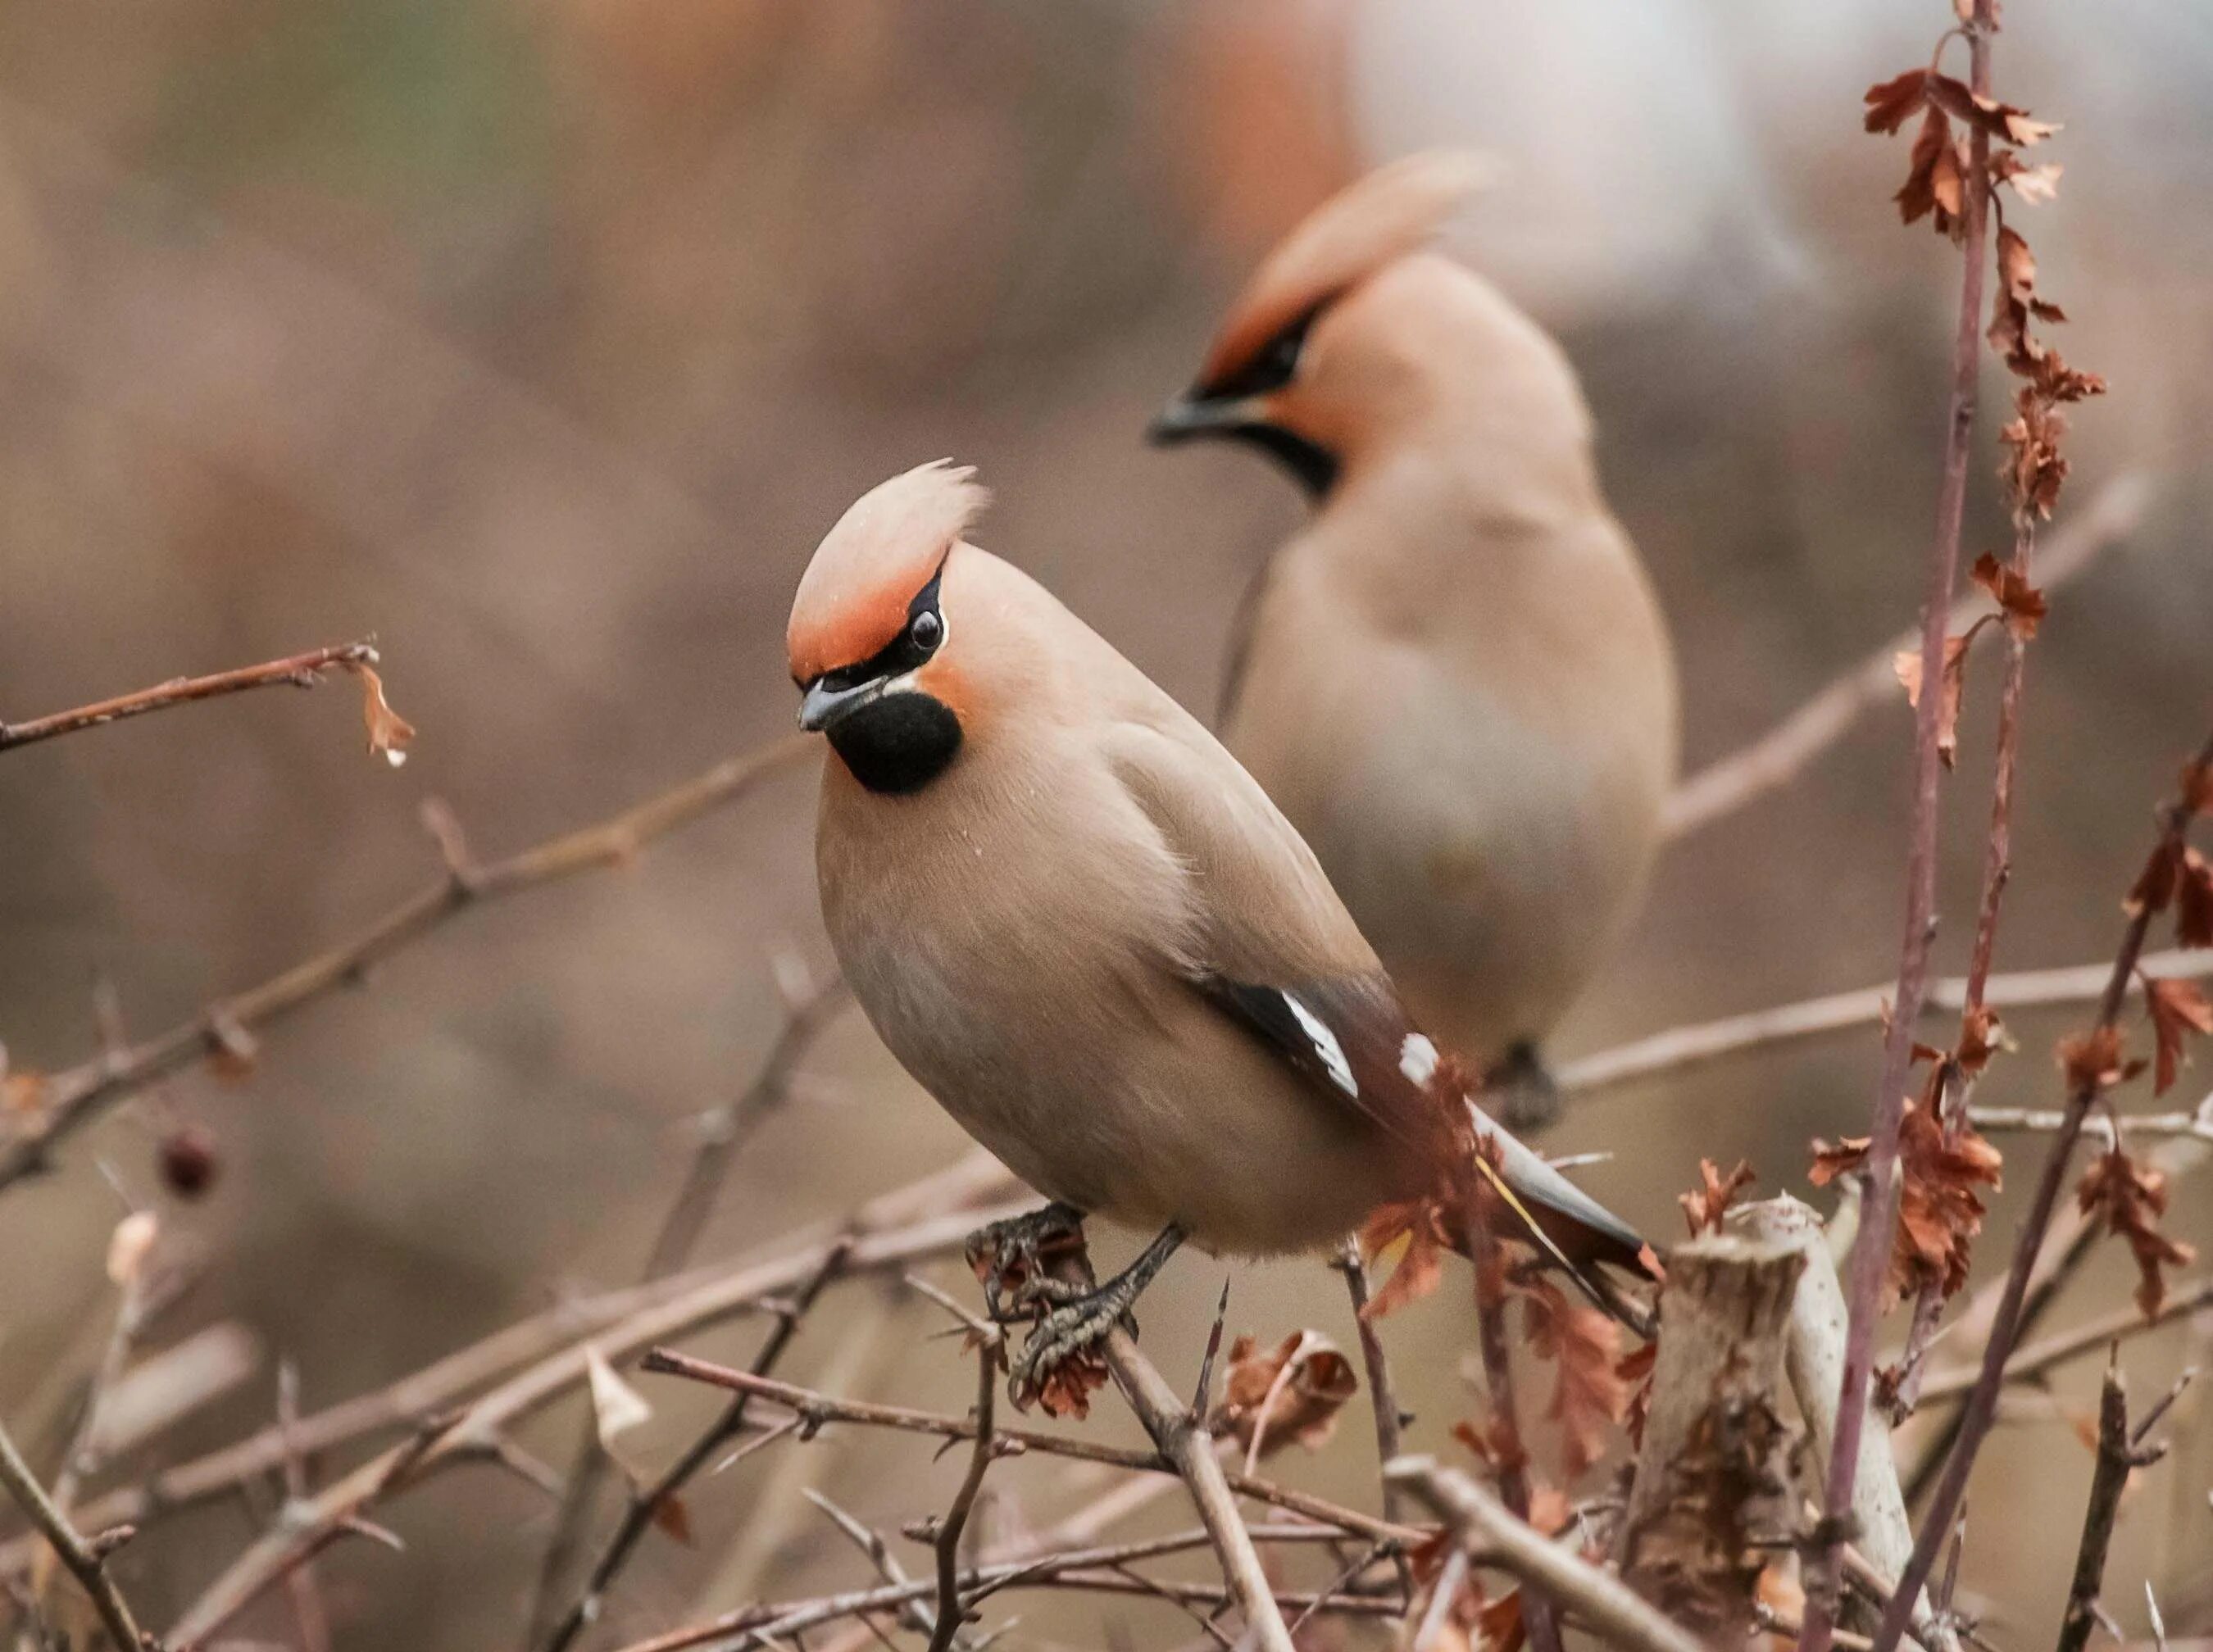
<point x="853" y="598"/>
<point x="1392" y="211"/>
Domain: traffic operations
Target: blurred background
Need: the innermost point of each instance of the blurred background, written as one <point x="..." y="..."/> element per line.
<point x="542" y="340"/>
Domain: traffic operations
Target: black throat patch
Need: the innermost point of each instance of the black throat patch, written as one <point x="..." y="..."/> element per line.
<point x="1312" y="465"/>
<point x="899" y="743"/>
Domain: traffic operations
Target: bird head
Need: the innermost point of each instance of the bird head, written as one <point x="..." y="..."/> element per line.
<point x="868" y="631"/>
<point x="1333" y="338"/>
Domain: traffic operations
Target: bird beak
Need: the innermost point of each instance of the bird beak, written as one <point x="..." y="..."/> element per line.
<point x="823" y="707"/>
<point x="1191" y="415"/>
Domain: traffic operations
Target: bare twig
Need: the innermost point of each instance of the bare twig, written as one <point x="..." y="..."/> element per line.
<point x="1538" y="1613"/>
<point x="87" y="1566"/>
<point x="949" y="1613"/>
<point x="2107" y="1329"/>
<point x="1608" y="1606"/>
<point x="2198" y="1125"/>
<point x="71" y="1099"/>
<point x="611" y="1320"/>
<point x="1382" y="1395"/>
<point x="300" y="670"/>
<point x="1981" y="1407"/>
<point x="1682" y="1049"/>
<point x="475" y="1434"/>
<point x="2117" y="1457"/>
<point x="816" y="1410"/>
<point x="1099" y="1569"/>
<point x="1778" y="757"/>
<point x="310" y="1614"/>
<point x="1925" y="1438"/>
<point x="721" y="1133"/>
<point x="646" y="1505"/>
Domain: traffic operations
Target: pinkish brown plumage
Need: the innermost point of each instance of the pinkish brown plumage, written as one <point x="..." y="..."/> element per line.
<point x="1455" y="680"/>
<point x="1085" y="930"/>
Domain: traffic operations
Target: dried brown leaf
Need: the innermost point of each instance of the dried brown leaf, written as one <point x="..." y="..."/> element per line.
<point x="1289" y="1393"/>
<point x="1907" y="664"/>
<point x="2020" y="603"/>
<point x="1939" y="1208"/>
<point x="388" y="732"/>
<point x="1589" y="1395"/>
<point x="1891" y="103"/>
<point x="2178" y="1009"/>
<point x="1420" y="1222"/>
<point x="2131" y="1198"/>
<point x="1703" y="1207"/>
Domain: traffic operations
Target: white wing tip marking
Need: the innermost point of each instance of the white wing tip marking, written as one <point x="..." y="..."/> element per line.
<point x="1417" y="1059"/>
<point x="1325" y="1045"/>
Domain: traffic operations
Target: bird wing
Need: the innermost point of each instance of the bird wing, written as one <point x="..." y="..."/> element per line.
<point x="1277" y="950"/>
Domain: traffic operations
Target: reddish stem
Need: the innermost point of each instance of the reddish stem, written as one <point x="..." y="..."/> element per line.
<point x="1871" y="1252"/>
<point x="1981" y="1409"/>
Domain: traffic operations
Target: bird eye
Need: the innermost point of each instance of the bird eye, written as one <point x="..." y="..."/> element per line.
<point x="926" y="631"/>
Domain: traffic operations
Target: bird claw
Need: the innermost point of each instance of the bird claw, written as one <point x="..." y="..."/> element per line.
<point x="1070" y="1332"/>
<point x="1011" y="1261"/>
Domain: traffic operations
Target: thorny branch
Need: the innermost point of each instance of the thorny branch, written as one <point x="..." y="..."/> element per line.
<point x="815" y="1410"/>
<point x="889" y="1238"/>
<point x="2119" y="1456"/>
<point x="87" y="1565"/>
<point x="68" y="1100"/>
<point x="1103" y="1569"/>
<point x="2038" y="1357"/>
<point x="2085" y="1082"/>
<point x="647" y="1503"/>
<point x="1598" y="1599"/>
<point x="300" y="670"/>
<point x="1870" y="1256"/>
<point x="950" y="1613"/>
<point x="721" y="1133"/>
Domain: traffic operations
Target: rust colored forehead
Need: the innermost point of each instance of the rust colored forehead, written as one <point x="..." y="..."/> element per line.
<point x="1392" y="211"/>
<point x="853" y="598"/>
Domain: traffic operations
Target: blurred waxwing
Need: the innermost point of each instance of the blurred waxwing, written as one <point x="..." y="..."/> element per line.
<point x="1084" y="928"/>
<point x="1454" y="681"/>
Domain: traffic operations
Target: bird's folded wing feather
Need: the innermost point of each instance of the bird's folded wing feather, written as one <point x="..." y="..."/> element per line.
<point x="1278" y="951"/>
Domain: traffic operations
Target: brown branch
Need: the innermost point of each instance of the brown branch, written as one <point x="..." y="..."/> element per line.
<point x="1778" y="757"/>
<point x="71" y="1099"/>
<point x="645" y="1506"/>
<point x="1602" y="1602"/>
<point x="1093" y="1569"/>
<point x="1683" y="1049"/>
<point x="950" y="1614"/>
<point x="816" y="1411"/>
<point x="699" y="1296"/>
<point x="2117" y="1457"/>
<point x="1712" y="1488"/>
<point x="2198" y="1125"/>
<point x="2105" y="1331"/>
<point x="1923" y="1441"/>
<point x="300" y="670"/>
<point x="890" y="1237"/>
<point x="721" y="1133"/>
<point x="87" y="1566"/>
<point x="1182" y="1439"/>
<point x="1981" y="1408"/>
<point x="1382" y="1394"/>
<point x="1538" y="1613"/>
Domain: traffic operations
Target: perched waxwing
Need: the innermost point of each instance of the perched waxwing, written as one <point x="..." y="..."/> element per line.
<point x="1454" y="679"/>
<point x="1084" y="928"/>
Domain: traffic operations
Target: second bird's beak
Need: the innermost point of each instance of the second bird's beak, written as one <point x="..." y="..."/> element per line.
<point x="822" y="708"/>
<point x="1189" y="416"/>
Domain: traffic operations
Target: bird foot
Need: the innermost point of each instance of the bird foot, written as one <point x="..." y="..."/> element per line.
<point x="1067" y="1339"/>
<point x="1527" y="1099"/>
<point x="1013" y="1260"/>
